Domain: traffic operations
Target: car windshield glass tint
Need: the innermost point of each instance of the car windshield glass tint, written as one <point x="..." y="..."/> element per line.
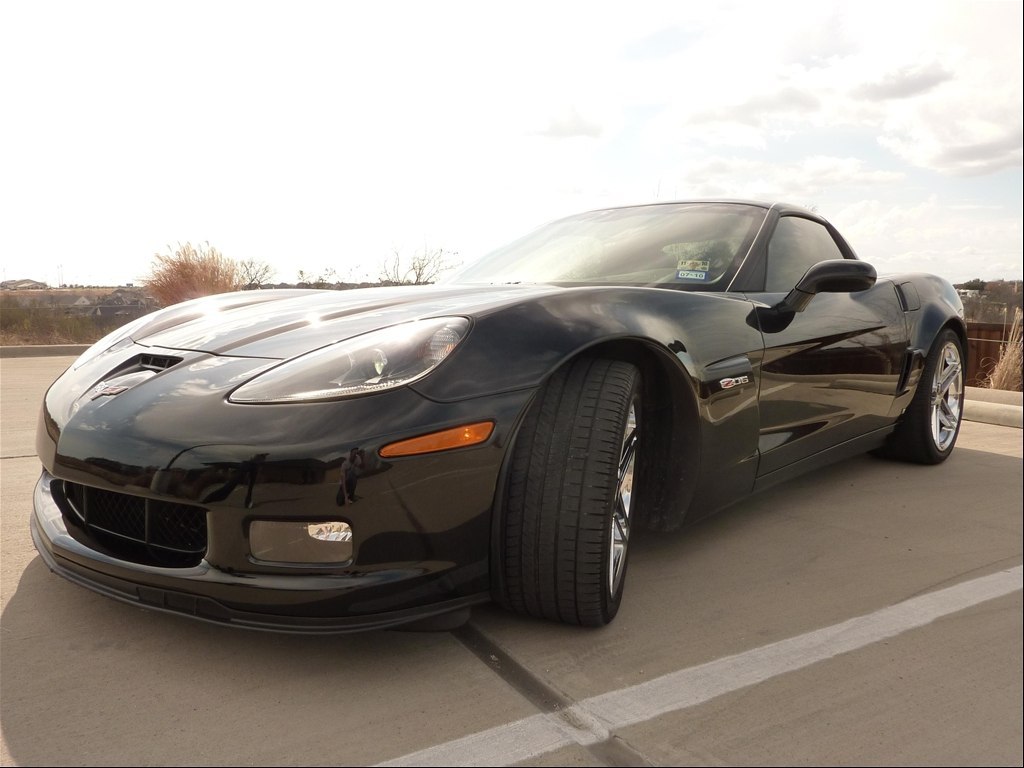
<point x="691" y="246"/>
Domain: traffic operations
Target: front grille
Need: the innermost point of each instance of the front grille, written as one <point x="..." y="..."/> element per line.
<point x="138" y="529"/>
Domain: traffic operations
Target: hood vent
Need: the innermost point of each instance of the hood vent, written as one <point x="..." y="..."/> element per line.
<point x="130" y="373"/>
<point x="146" y="362"/>
<point x="153" y="362"/>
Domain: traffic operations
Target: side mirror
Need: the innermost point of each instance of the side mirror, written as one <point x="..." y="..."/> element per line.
<point x="834" y="276"/>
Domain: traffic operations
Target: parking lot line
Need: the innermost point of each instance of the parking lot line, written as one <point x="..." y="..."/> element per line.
<point x="593" y="720"/>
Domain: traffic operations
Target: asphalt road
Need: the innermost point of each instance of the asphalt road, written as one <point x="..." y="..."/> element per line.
<point x="868" y="614"/>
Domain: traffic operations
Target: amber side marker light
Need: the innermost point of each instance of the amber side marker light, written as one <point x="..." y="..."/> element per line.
<point x="445" y="440"/>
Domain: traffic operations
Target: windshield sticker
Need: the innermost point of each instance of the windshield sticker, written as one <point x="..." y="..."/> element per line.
<point x="693" y="265"/>
<point x="687" y="274"/>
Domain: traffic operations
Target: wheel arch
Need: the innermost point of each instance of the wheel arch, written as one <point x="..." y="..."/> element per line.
<point x="931" y="326"/>
<point x="663" y="484"/>
<point x="670" y="425"/>
<point x="960" y="329"/>
<point x="940" y="308"/>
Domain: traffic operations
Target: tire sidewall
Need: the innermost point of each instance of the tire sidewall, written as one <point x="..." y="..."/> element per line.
<point x="612" y="600"/>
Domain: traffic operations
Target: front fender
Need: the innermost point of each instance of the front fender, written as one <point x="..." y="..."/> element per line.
<point x="940" y="307"/>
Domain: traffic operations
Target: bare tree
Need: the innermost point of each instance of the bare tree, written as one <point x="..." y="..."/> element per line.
<point x="325" y="279"/>
<point x="424" y="267"/>
<point x="190" y="272"/>
<point x="253" y="273"/>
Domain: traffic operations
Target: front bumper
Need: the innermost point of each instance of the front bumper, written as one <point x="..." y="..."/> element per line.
<point x="420" y="531"/>
<point x="303" y="603"/>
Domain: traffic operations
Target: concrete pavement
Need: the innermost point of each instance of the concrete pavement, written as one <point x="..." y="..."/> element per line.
<point x="867" y="613"/>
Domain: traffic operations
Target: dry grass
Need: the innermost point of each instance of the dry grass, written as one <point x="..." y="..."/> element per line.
<point x="1007" y="373"/>
<point x="190" y="272"/>
<point x="42" y="325"/>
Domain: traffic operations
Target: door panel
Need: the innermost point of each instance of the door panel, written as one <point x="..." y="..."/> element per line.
<point x="830" y="373"/>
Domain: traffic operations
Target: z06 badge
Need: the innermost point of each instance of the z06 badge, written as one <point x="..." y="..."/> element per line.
<point x="734" y="381"/>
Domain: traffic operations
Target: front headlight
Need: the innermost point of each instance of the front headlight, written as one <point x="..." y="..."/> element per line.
<point x="374" y="362"/>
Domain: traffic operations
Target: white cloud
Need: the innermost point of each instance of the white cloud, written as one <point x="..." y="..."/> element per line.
<point x="928" y="85"/>
<point x="803" y="183"/>
<point x="905" y="83"/>
<point x="569" y="124"/>
<point x="320" y="135"/>
<point x="934" y="236"/>
<point x="981" y="144"/>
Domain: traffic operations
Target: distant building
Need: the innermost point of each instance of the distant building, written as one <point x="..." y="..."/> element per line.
<point x="23" y="285"/>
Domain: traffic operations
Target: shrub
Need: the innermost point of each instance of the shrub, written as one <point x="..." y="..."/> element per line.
<point x="39" y="324"/>
<point x="1007" y="373"/>
<point x="190" y="272"/>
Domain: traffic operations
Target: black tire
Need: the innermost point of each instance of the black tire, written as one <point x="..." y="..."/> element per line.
<point x="929" y="428"/>
<point x="568" y="506"/>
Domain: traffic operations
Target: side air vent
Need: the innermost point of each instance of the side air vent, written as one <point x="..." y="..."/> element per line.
<point x="910" y="300"/>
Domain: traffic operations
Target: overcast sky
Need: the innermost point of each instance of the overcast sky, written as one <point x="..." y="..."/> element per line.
<point x="325" y="135"/>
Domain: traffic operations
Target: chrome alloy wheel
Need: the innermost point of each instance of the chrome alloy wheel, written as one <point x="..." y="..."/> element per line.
<point x="947" y="396"/>
<point x="620" y="518"/>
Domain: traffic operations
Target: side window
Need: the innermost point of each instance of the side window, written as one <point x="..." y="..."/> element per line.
<point x="796" y="246"/>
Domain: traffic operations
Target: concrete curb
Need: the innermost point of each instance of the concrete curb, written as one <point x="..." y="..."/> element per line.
<point x="994" y="413"/>
<point x="1004" y="409"/>
<point x="994" y="406"/>
<point x="1001" y="396"/>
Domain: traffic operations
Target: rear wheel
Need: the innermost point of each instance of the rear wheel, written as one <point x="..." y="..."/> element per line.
<point x="931" y="422"/>
<point x="569" y="503"/>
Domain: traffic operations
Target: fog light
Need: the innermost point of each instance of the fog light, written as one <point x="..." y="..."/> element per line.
<point x="321" y="543"/>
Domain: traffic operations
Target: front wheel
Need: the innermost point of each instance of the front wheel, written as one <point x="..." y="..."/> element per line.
<point x="931" y="423"/>
<point x="569" y="502"/>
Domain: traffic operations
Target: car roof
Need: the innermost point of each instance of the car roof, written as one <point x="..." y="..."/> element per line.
<point x="780" y="207"/>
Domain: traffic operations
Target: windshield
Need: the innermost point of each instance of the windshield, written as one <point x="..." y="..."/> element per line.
<point x="688" y="246"/>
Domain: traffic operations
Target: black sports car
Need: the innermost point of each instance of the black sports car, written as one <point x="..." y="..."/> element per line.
<point x="324" y="461"/>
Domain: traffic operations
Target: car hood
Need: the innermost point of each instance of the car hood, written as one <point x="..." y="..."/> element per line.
<point x="281" y="324"/>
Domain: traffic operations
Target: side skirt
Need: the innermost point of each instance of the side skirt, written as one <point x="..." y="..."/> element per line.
<point x="850" y="448"/>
